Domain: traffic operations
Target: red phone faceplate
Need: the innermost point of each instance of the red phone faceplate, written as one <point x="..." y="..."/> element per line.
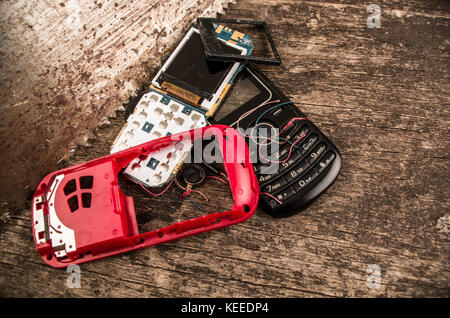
<point x="80" y="214"/>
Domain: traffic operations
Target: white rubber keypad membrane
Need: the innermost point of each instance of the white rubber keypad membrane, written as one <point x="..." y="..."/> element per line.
<point x="157" y="115"/>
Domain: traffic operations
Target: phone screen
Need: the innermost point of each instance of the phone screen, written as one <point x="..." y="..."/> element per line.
<point x="240" y="92"/>
<point x="191" y="66"/>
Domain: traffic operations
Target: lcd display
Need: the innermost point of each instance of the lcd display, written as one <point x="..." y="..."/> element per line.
<point x="192" y="71"/>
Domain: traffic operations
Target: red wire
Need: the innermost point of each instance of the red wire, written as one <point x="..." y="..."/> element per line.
<point x="271" y="196"/>
<point x="156" y="194"/>
<point x="186" y="193"/>
<point x="220" y="179"/>
<point x="293" y="144"/>
<point x="289" y="124"/>
<point x="202" y="194"/>
<point x="288" y="156"/>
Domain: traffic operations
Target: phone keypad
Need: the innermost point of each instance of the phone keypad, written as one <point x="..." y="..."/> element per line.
<point x="308" y="159"/>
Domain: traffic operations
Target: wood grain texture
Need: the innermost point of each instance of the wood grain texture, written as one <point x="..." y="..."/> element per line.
<point x="382" y="96"/>
<point x="67" y="65"/>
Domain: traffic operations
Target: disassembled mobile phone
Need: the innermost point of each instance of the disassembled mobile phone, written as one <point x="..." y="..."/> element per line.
<point x="307" y="161"/>
<point x="184" y="93"/>
<point x="80" y="214"/>
<point x="215" y="51"/>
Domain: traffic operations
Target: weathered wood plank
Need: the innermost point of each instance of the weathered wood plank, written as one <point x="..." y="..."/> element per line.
<point x="382" y="96"/>
<point x="67" y="65"/>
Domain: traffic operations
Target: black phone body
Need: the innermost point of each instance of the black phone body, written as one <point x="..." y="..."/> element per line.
<point x="306" y="169"/>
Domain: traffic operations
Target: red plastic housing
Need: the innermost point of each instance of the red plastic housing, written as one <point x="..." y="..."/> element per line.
<point x="104" y="221"/>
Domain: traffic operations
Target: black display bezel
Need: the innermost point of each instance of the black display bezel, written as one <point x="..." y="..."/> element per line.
<point x="266" y="94"/>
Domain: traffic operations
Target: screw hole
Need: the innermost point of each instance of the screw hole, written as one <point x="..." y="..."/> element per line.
<point x="246" y="208"/>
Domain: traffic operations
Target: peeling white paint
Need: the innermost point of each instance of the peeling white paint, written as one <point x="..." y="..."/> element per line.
<point x="443" y="223"/>
<point x="80" y="60"/>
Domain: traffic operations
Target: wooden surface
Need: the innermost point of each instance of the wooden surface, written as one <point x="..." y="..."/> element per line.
<point x="382" y="96"/>
<point x="65" y="66"/>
